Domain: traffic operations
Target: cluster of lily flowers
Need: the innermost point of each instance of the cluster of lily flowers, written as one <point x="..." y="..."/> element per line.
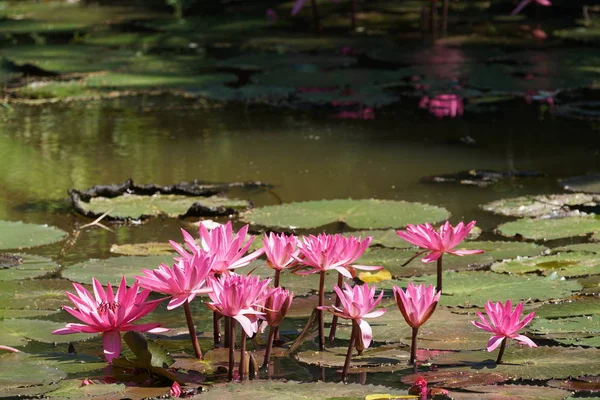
<point x="207" y="267"/>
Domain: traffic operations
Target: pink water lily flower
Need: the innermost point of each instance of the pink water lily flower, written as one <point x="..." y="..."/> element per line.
<point x="524" y="3"/>
<point x="440" y="241"/>
<point x="280" y="250"/>
<point x="358" y="302"/>
<point x="239" y="297"/>
<point x="277" y="305"/>
<point x="332" y="252"/>
<point x="219" y="242"/>
<point x="184" y="281"/>
<point x="417" y="303"/>
<point x="110" y="313"/>
<point x="504" y="322"/>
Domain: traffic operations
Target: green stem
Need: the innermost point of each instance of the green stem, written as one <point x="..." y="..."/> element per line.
<point x="439" y="274"/>
<point x="353" y="15"/>
<point x="216" y="328"/>
<point x="320" y="312"/>
<point x="243" y="357"/>
<point x="349" y="352"/>
<point x="230" y="322"/>
<point x="413" y="346"/>
<point x="269" y="346"/>
<point x="501" y="353"/>
<point x="276" y="284"/>
<point x="338" y="302"/>
<point x="192" y="329"/>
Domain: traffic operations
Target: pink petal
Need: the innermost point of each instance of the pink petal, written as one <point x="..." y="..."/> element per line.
<point x="375" y="314"/>
<point x="525" y="340"/>
<point x="464" y="252"/>
<point x="112" y="345"/>
<point x="494" y="342"/>
<point x="366" y="333"/>
<point x="431" y="257"/>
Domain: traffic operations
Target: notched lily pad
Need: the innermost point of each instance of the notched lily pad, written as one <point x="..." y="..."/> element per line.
<point x="528" y="363"/>
<point x="391" y="357"/>
<point x="508" y="392"/>
<point x="112" y="269"/>
<point x="142" y="249"/>
<point x="550" y="229"/>
<point x="568" y="264"/>
<point x="572" y="308"/>
<point x="544" y="205"/>
<point x="37" y="294"/>
<point x="456" y="379"/>
<point x="359" y="214"/>
<point x="29" y="267"/>
<point x="300" y="62"/>
<point x="18" y="369"/>
<point x="575" y="385"/>
<point x="18" y="332"/>
<point x="19" y="235"/>
<point x="582" y="331"/>
<point x="585" y="184"/>
<point x="480" y="177"/>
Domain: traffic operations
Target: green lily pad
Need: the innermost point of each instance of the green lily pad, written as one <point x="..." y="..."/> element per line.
<point x="25" y="313"/>
<point x="591" y="284"/>
<point x="537" y="206"/>
<point x="445" y="330"/>
<point x="455" y="379"/>
<point x="31" y="267"/>
<point x="549" y="229"/>
<point x="469" y="289"/>
<point x="112" y="269"/>
<point x="72" y="389"/>
<point x="73" y="364"/>
<point x="528" y="363"/>
<point x="18" y="369"/>
<point x="589" y="247"/>
<point x="142" y="249"/>
<point x="47" y="294"/>
<point x="354" y="77"/>
<point x="568" y="264"/>
<point x="19" y="235"/>
<point x="585" y="184"/>
<point x="55" y="90"/>
<point x="276" y="390"/>
<point x="359" y="214"/>
<point x="393" y="358"/>
<point x="581" y="306"/>
<point x="18" y="332"/>
<point x="171" y="205"/>
<point x="575" y="330"/>
<point x="574" y="384"/>
<point x="508" y="392"/>
<point x="369" y="95"/>
<point x="262" y="61"/>
<point x="247" y="93"/>
<point x="117" y="80"/>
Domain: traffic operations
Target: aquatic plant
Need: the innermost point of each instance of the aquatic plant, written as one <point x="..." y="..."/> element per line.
<point x="416" y="304"/>
<point x="504" y="322"/>
<point x="110" y="313"/>
<point x="280" y="250"/>
<point x="276" y="307"/>
<point x="324" y="253"/>
<point x="239" y="298"/>
<point x="187" y="279"/>
<point x="443" y="105"/>
<point x="438" y="242"/>
<point x="357" y="302"/>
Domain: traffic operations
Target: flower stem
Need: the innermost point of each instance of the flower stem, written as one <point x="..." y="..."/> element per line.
<point x="216" y="328"/>
<point x="320" y="312"/>
<point x="338" y="302"/>
<point x="445" y="15"/>
<point x="353" y="15"/>
<point x="192" y="329"/>
<point x="230" y="322"/>
<point x="501" y="353"/>
<point x="276" y="284"/>
<point x="269" y="346"/>
<point x="439" y="274"/>
<point x="413" y="346"/>
<point x="349" y="353"/>
<point x="243" y="358"/>
<point x="316" y="17"/>
<point x="227" y="336"/>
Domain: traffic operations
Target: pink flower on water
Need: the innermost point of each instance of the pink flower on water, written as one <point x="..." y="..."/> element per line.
<point x="417" y="304"/>
<point x="328" y="252"/>
<point x="280" y="250"/>
<point x="239" y="297"/>
<point x="277" y="305"/>
<point x="524" y="4"/>
<point x="110" y="313"/>
<point x="186" y="279"/>
<point x="504" y="323"/>
<point x="175" y="390"/>
<point x="358" y="302"/>
<point x="87" y="382"/>
<point x="443" y="105"/>
<point x="438" y="242"/>
<point x="228" y="250"/>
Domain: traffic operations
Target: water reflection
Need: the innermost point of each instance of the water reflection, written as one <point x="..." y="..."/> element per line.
<point x="443" y="105"/>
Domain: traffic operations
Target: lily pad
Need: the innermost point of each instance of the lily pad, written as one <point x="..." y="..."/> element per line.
<point x="369" y="96"/>
<point x="575" y="385"/>
<point x="528" y="363"/>
<point x="143" y="249"/>
<point x="509" y="392"/>
<point x="30" y="267"/>
<point x="19" y="235"/>
<point x="537" y="206"/>
<point x="586" y="110"/>
<point x="18" y="332"/>
<point x="589" y="247"/>
<point x="117" y="80"/>
<point x="385" y="356"/>
<point x="18" y="369"/>
<point x="300" y="62"/>
<point x="573" y="308"/>
<point x="385" y="238"/>
<point x="275" y="390"/>
<point x="591" y="284"/>
<point x="549" y="229"/>
<point x="456" y="379"/>
<point x="359" y="214"/>
<point x="171" y="205"/>
<point x="352" y="77"/>
<point x="469" y="289"/>
<point x="582" y="331"/>
<point x="25" y="313"/>
<point x="112" y="269"/>
<point x="47" y="294"/>
<point x="585" y="184"/>
<point x="72" y="389"/>
<point x="568" y="264"/>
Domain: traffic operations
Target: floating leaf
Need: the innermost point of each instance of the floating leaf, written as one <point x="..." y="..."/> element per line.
<point x="572" y="308"/>
<point x="537" y="206"/>
<point x="72" y="389"/>
<point x="275" y="390"/>
<point x="468" y="289"/>
<point x="351" y="77"/>
<point x="112" y="269"/>
<point x="360" y="214"/>
<point x="528" y="363"/>
<point x="582" y="331"/>
<point x="591" y="247"/>
<point x="567" y="264"/>
<point x="137" y="207"/>
<point x="25" y="313"/>
<point x="456" y="379"/>
<point x="591" y="284"/>
<point x="73" y="364"/>
<point x="30" y="267"/>
<point x="18" y="235"/>
<point x="142" y="249"/>
<point x="509" y="392"/>
<point x="299" y="62"/>
<point x="385" y="356"/>
<point x="585" y="184"/>
<point x="575" y="385"/>
<point x="549" y="229"/>
<point x="18" y="369"/>
<point x="47" y="294"/>
<point x="18" y="332"/>
<point x="117" y="80"/>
